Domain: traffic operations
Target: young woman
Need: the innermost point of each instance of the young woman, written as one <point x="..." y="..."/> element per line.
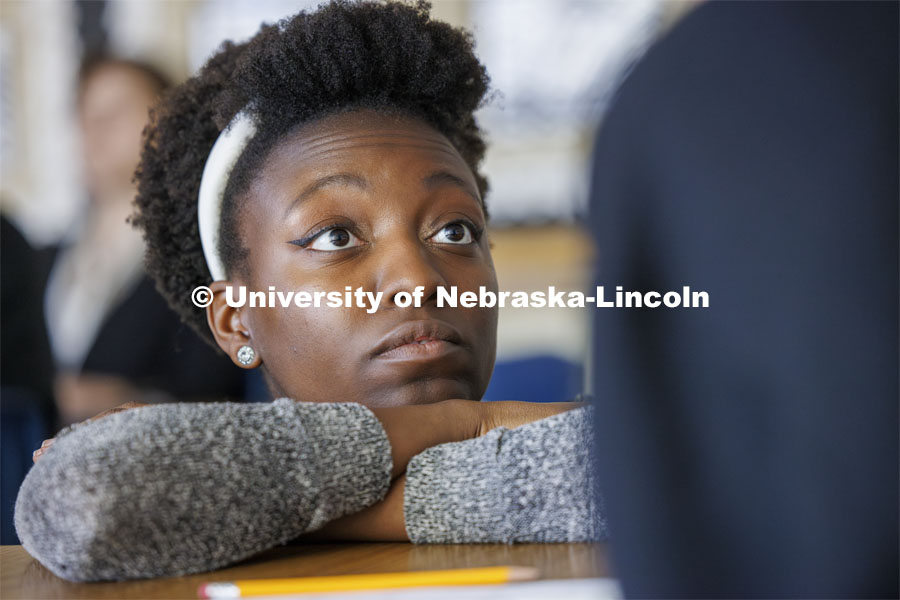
<point x="335" y="149"/>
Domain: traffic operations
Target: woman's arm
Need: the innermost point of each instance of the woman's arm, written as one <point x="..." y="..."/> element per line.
<point x="173" y="489"/>
<point x="530" y="484"/>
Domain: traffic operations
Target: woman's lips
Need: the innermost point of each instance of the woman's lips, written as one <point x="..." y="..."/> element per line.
<point x="421" y="349"/>
<point x="424" y="339"/>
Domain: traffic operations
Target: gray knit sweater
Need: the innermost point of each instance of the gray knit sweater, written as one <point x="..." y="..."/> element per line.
<point x="183" y="488"/>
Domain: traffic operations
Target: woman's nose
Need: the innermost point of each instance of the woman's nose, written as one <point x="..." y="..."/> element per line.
<point x="405" y="266"/>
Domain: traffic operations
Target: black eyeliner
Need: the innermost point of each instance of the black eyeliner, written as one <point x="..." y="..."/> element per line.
<point x="307" y="239"/>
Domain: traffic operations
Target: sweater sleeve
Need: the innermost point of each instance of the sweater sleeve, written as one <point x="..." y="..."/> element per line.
<point x="533" y="483"/>
<point x="182" y="488"/>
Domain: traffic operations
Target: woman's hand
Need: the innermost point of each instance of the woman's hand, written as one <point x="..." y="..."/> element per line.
<point x="513" y="414"/>
<point x="412" y="429"/>
<point x="47" y="443"/>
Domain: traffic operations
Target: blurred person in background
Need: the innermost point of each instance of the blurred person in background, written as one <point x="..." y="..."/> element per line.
<point x="113" y="337"/>
<point x="750" y="449"/>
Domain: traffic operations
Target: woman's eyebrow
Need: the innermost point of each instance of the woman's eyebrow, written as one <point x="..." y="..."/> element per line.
<point x="350" y="179"/>
<point x="439" y="178"/>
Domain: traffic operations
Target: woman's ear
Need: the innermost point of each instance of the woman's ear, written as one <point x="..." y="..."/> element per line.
<point x="229" y="328"/>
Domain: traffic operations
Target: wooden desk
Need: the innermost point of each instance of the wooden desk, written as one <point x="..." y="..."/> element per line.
<point x="22" y="577"/>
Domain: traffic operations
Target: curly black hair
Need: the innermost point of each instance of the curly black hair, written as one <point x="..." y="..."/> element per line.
<point x="388" y="57"/>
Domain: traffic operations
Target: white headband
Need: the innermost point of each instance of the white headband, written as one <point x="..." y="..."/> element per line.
<point x="224" y="154"/>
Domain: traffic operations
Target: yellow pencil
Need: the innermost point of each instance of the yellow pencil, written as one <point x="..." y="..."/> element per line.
<point x="373" y="581"/>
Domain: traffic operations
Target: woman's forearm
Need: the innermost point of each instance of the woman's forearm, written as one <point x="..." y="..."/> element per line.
<point x="174" y="489"/>
<point x="530" y="484"/>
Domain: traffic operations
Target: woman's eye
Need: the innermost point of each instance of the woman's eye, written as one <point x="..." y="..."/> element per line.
<point x="454" y="233"/>
<point x="337" y="238"/>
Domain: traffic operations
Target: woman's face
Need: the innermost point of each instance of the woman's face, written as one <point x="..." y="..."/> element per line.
<point x="112" y="113"/>
<point x="385" y="204"/>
